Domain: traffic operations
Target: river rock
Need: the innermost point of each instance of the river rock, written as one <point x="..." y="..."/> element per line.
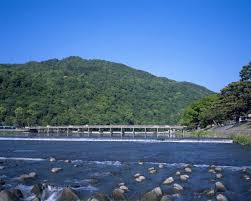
<point x="177" y="188"/>
<point x="188" y="170"/>
<point x="218" y="169"/>
<point x="118" y="195"/>
<point x="153" y="195"/>
<point x="161" y="166"/>
<point x="218" y="175"/>
<point x="124" y="188"/>
<point x="137" y="175"/>
<point x="248" y="171"/>
<point x="212" y="166"/>
<point x="99" y="197"/>
<point x="56" y="170"/>
<point x="6" y="195"/>
<point x="212" y="171"/>
<point x="140" y="178"/>
<point x="249" y="189"/>
<point x="51" y="159"/>
<point x="153" y="171"/>
<point x="219" y="187"/>
<point x="141" y="163"/>
<point x="2" y="167"/>
<point x="166" y="198"/>
<point x="18" y="193"/>
<point x="121" y="184"/>
<point x="67" y="161"/>
<point x="168" y="181"/>
<point x="68" y="195"/>
<point x="210" y="192"/>
<point x="246" y="177"/>
<point x="177" y="173"/>
<point x="151" y="168"/>
<point x="221" y="197"/>
<point x="184" y="177"/>
<point x="26" y="177"/>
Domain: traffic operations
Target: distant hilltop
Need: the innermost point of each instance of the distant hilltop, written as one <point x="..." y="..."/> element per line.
<point x="79" y="91"/>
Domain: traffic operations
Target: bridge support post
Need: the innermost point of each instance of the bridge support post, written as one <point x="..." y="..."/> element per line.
<point x="145" y="132"/>
<point x="133" y="132"/>
<point x="157" y="134"/>
<point x="67" y="132"/>
<point x="121" y="134"/>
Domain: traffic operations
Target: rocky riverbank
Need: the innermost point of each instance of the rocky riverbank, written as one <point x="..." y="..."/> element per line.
<point x="170" y="189"/>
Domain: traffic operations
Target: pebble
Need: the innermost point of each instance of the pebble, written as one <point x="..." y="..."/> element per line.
<point x="177" y="173"/>
<point x="2" y="167"/>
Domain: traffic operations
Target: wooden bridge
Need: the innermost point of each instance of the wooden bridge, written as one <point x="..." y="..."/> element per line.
<point x="111" y="131"/>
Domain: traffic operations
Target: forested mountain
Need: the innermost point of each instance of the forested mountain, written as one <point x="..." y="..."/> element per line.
<point x="78" y="91"/>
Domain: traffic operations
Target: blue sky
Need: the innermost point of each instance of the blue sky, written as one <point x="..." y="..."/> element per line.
<point x="201" y="41"/>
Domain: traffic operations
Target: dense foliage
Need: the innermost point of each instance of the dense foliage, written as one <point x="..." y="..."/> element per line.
<point x="233" y="102"/>
<point x="78" y="91"/>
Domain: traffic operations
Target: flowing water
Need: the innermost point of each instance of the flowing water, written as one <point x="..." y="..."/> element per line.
<point x="98" y="166"/>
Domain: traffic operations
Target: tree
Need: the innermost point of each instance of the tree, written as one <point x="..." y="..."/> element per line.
<point x="20" y="116"/>
<point x="236" y="99"/>
<point x="2" y="114"/>
<point x="245" y="73"/>
<point x="202" y="112"/>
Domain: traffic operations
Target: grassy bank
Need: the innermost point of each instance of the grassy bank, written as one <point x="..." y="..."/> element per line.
<point x="242" y="139"/>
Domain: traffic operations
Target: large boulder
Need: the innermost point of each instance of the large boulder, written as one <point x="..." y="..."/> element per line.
<point x="68" y="195"/>
<point x="219" y="187"/>
<point x="118" y="195"/>
<point x="153" y="195"/>
<point x="221" y="197"/>
<point x="6" y="195"/>
<point x="99" y="197"/>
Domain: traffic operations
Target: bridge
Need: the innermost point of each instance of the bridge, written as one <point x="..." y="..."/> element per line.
<point x="111" y="131"/>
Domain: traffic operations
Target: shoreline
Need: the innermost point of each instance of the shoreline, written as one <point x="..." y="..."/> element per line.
<point x="209" y="140"/>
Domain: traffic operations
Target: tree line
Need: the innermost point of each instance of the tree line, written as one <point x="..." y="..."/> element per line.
<point x="233" y="102"/>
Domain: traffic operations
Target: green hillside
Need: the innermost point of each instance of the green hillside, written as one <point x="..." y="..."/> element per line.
<point x="78" y="91"/>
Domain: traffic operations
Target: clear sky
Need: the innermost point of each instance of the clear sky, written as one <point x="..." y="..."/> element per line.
<point x="201" y="41"/>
